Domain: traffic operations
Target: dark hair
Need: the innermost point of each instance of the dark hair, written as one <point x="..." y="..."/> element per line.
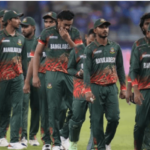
<point x="143" y="18"/>
<point x="91" y="31"/>
<point x="65" y="15"/>
<point x="47" y="17"/>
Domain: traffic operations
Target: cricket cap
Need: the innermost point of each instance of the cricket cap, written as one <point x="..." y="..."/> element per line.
<point x="100" y="22"/>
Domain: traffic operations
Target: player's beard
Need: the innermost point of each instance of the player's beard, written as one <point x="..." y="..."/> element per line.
<point x="28" y="34"/>
<point x="103" y="37"/>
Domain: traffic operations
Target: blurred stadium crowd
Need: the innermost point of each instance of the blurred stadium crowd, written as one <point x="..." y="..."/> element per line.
<point x="123" y="15"/>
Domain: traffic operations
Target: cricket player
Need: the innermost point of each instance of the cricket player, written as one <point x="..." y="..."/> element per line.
<point x="80" y="105"/>
<point x="144" y="23"/>
<point x="49" y="21"/>
<point x="4" y="123"/>
<point x="1" y="19"/>
<point x="28" y="30"/>
<point x="57" y="41"/>
<point x="13" y="64"/>
<point x="103" y="65"/>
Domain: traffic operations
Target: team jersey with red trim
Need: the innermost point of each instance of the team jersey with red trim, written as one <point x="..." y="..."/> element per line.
<point x="103" y="65"/>
<point x="140" y="66"/>
<point x="74" y="65"/>
<point x="42" y="68"/>
<point x="75" y="62"/>
<point x="57" y="50"/>
<point x="136" y="44"/>
<point x="28" y="47"/>
<point x="13" y="55"/>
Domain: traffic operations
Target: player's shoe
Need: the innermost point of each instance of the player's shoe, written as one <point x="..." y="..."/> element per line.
<point x="34" y="142"/>
<point x="3" y="142"/>
<point x="65" y="143"/>
<point x="108" y="147"/>
<point x="24" y="142"/>
<point x="56" y="148"/>
<point x="62" y="148"/>
<point x="46" y="147"/>
<point x="16" y="145"/>
<point x="73" y="145"/>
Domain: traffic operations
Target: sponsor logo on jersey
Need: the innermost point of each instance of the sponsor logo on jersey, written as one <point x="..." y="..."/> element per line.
<point x="28" y="55"/>
<point x="105" y="60"/>
<point x="98" y="51"/>
<point x="49" y="86"/>
<point x="146" y="65"/>
<point x="145" y="55"/>
<point x="19" y="42"/>
<point x="12" y="50"/>
<point x="44" y="54"/>
<point x="112" y="50"/>
<point x="82" y="66"/>
<point x="3" y="41"/>
<point x="59" y="46"/>
<point x="82" y="56"/>
<point x="53" y="37"/>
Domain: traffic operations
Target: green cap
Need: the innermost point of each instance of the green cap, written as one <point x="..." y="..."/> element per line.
<point x="2" y="13"/>
<point x="28" y="21"/>
<point x="101" y="21"/>
<point x="11" y="14"/>
<point x="51" y="14"/>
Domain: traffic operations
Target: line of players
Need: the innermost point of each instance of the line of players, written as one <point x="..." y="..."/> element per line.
<point x="57" y="72"/>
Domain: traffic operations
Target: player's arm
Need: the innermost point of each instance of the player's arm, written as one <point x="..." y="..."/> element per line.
<point x="26" y="88"/>
<point x="87" y="67"/>
<point x="72" y="42"/>
<point x="135" y="68"/>
<point x="121" y="73"/>
<point x="36" y="63"/>
<point x="129" y="83"/>
<point x="72" y="65"/>
<point x="24" y="61"/>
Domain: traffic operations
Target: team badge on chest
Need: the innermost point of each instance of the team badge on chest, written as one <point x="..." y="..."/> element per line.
<point x="112" y="50"/>
<point x="19" y="42"/>
<point x="49" y="86"/>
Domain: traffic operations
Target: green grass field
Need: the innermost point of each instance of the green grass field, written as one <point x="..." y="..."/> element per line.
<point x="123" y="139"/>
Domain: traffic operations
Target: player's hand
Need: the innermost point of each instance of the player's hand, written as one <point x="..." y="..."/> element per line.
<point x="128" y="96"/>
<point x="80" y="73"/>
<point x="122" y="94"/>
<point x="138" y="97"/>
<point x="26" y="88"/>
<point x="36" y="82"/>
<point x="89" y="97"/>
<point x="64" y="34"/>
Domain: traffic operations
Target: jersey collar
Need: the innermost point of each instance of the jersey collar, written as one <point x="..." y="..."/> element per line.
<point x="108" y="43"/>
<point x="7" y="34"/>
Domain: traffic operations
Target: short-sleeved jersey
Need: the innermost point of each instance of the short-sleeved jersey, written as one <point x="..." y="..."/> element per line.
<point x="28" y="46"/>
<point x="140" y="66"/>
<point x="75" y="62"/>
<point x="103" y="65"/>
<point x="135" y="45"/>
<point x="57" y="50"/>
<point x="13" y="55"/>
<point x="42" y="68"/>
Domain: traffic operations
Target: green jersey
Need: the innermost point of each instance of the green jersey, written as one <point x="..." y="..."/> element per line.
<point x="74" y="65"/>
<point x="140" y="66"/>
<point x="57" y="50"/>
<point x="103" y="65"/>
<point x="13" y="55"/>
<point x="28" y="46"/>
<point x="42" y="60"/>
<point x="136" y="44"/>
<point x="76" y="60"/>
